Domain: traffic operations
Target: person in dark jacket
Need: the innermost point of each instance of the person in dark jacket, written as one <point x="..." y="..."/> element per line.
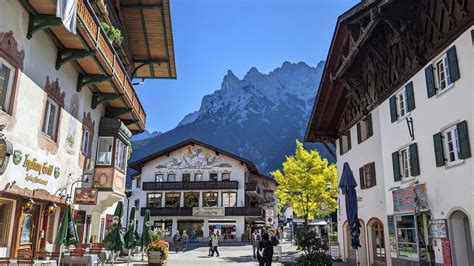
<point x="265" y="253"/>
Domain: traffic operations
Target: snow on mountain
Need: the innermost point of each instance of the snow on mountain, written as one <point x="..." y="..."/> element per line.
<point x="145" y="135"/>
<point x="258" y="117"/>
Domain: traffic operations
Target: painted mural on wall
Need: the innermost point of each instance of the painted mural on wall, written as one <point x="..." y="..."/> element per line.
<point x="194" y="157"/>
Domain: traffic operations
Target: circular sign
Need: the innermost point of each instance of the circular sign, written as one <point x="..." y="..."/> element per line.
<point x="270" y="219"/>
<point x="269" y="212"/>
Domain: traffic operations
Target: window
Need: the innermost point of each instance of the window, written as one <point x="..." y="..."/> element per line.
<point x="153" y="200"/>
<point x="186" y="177"/>
<point x="139" y="182"/>
<point x="367" y="176"/>
<point x="364" y="129"/>
<point x="452" y="145"/>
<point x="229" y="199"/>
<point x="198" y="177"/>
<point x="121" y="155"/>
<point x="443" y="77"/>
<point x="213" y="177"/>
<point x="172" y="199"/>
<point x="405" y="163"/>
<point x="159" y="178"/>
<point x="51" y="221"/>
<point x="225" y="176"/>
<point x="26" y="229"/>
<point x="191" y="199"/>
<point x="85" y="142"/>
<point x="402" y="103"/>
<point x="137" y="204"/>
<point x="50" y="121"/>
<point x="345" y="142"/>
<point x="7" y="78"/>
<point x="171" y="177"/>
<point x="407" y="236"/>
<point x="104" y="154"/>
<point x="5" y="218"/>
<point x="209" y="199"/>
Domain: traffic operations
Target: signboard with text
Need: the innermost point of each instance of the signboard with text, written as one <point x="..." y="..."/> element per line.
<point x="438" y="228"/>
<point x="85" y="196"/>
<point x="411" y="199"/>
<point x="208" y="211"/>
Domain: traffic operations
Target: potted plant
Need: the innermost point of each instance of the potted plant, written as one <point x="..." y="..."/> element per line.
<point x="158" y="252"/>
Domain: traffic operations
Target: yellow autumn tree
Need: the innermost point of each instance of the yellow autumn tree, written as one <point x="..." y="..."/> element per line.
<point x="308" y="184"/>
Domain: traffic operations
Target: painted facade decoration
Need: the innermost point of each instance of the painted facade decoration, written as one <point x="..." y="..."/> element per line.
<point x="193" y="157"/>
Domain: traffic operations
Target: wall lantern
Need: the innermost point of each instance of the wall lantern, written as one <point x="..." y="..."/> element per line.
<point x="6" y="149"/>
<point x="28" y="206"/>
<point x="51" y="208"/>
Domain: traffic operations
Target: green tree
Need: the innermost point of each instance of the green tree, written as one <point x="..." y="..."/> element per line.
<point x="308" y="184"/>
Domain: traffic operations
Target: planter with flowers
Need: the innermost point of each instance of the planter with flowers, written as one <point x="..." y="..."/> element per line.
<point x="158" y="252"/>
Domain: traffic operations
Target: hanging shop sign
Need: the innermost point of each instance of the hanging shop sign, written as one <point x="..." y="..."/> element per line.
<point x="208" y="211"/>
<point x="34" y="171"/>
<point x="438" y="228"/>
<point x="85" y="196"/>
<point x="411" y="199"/>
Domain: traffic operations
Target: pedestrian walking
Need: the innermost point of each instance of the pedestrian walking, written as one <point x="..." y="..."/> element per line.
<point x="184" y="238"/>
<point x="176" y="241"/>
<point x="254" y="239"/>
<point x="265" y="251"/>
<point x="215" y="243"/>
<point x="210" y="246"/>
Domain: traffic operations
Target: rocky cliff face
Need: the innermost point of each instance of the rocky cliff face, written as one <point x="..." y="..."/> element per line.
<point x="258" y="117"/>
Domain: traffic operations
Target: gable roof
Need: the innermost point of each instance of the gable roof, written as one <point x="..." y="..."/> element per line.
<point x="138" y="164"/>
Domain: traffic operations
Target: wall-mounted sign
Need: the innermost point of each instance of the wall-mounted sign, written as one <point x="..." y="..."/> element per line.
<point x="438" y="228"/>
<point x="391" y="225"/>
<point x="446" y="248"/>
<point x="411" y="199"/>
<point x="34" y="171"/>
<point x="208" y="211"/>
<point x="85" y="196"/>
<point x="334" y="249"/>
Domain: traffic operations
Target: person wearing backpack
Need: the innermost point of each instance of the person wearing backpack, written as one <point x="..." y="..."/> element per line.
<point x="254" y="239"/>
<point x="265" y="251"/>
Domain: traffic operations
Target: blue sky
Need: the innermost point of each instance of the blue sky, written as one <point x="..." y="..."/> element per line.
<point x="213" y="36"/>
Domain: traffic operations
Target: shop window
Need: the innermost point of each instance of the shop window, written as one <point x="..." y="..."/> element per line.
<point x="171" y="177"/>
<point x="153" y="200"/>
<point x="104" y="153"/>
<point x="229" y="199"/>
<point x="85" y="142"/>
<point x="186" y="177"/>
<point x="345" y="143"/>
<point x="367" y="176"/>
<point x="159" y="178"/>
<point x="407" y="237"/>
<point x="5" y="217"/>
<point x="121" y="152"/>
<point x="209" y="199"/>
<point x="193" y="228"/>
<point x="213" y="177"/>
<point x="7" y="79"/>
<point x="172" y="199"/>
<point x="50" y="120"/>
<point x="452" y="145"/>
<point x="225" y="176"/>
<point x="364" y="129"/>
<point x="198" y="177"/>
<point x="191" y="199"/>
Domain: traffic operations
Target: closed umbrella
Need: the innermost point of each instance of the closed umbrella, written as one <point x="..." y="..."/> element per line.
<point x="348" y="185"/>
<point x="131" y="236"/>
<point x="113" y="241"/>
<point x="145" y="238"/>
<point x="67" y="234"/>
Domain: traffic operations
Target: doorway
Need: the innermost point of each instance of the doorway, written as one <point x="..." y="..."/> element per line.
<point x="460" y="238"/>
<point x="28" y="231"/>
<point x="352" y="255"/>
<point x="376" y="243"/>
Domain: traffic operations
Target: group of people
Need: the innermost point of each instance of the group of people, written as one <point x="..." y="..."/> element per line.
<point x="262" y="246"/>
<point x="180" y="240"/>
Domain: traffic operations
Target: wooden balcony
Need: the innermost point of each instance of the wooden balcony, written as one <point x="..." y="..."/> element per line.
<point x="196" y="185"/>
<point x="94" y="57"/>
<point x="244" y="211"/>
<point x="168" y="211"/>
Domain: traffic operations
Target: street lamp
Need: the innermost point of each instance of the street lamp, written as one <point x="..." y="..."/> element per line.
<point x="84" y="179"/>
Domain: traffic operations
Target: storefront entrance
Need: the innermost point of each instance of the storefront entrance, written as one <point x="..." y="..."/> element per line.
<point x="28" y="229"/>
<point x="461" y="238"/>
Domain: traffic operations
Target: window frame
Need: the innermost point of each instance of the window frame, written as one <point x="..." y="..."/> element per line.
<point x="11" y="86"/>
<point x="402" y="98"/>
<point x="205" y="202"/>
<point x="225" y="174"/>
<point x="138" y="183"/>
<point x="187" y="193"/>
<point x="136" y="203"/>
<point x="223" y="204"/>
<point x="447" y="74"/>
<point x="8" y="222"/>
<point x="195" y="179"/>
<point x="46" y="119"/>
<point x="167" y="194"/>
<point x="168" y="177"/>
<point x="405" y="150"/>
<point x="457" y="152"/>
<point x="162" y="177"/>
<point x="345" y="144"/>
<point x="188" y="177"/>
<point x="86" y="144"/>
<point x="367" y="176"/>
<point x="98" y="162"/>
<point x="156" y="203"/>
<point x="120" y="155"/>
<point x="216" y="177"/>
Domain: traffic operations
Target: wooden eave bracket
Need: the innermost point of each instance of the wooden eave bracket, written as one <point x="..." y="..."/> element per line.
<point x="40" y="22"/>
<point x="103" y="97"/>
<point x="85" y="79"/>
<point x="66" y="55"/>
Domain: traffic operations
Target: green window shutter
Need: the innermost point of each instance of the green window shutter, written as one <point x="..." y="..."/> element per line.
<point x="372" y="174"/>
<point x="361" y="176"/>
<point x="349" y="143"/>
<point x="439" y="149"/>
<point x="463" y="135"/>
<point x="370" y="126"/>
<point x="430" y="81"/>
<point x="359" y="133"/>
<point x="340" y="146"/>
<point x="453" y="64"/>
<point x="414" y="162"/>
<point x="393" y="109"/>
<point x="396" y="166"/>
<point x="410" y="96"/>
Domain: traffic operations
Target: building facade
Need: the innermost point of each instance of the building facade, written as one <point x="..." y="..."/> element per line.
<point x="68" y="109"/>
<point x="403" y="122"/>
<point x="199" y="188"/>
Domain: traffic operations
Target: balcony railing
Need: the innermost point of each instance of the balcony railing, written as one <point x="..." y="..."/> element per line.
<point x="196" y="185"/>
<point x="168" y="211"/>
<point x="244" y="211"/>
<point x="251" y="187"/>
